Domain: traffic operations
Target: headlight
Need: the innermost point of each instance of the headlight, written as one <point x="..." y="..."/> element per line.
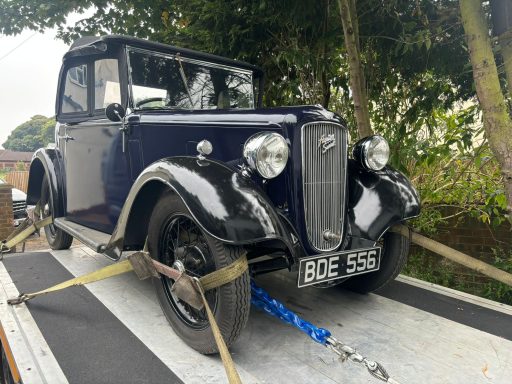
<point x="267" y="153"/>
<point x="372" y="152"/>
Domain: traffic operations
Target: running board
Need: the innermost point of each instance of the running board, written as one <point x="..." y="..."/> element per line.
<point x="92" y="238"/>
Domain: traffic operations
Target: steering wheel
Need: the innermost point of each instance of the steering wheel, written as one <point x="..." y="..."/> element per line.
<point x="150" y="100"/>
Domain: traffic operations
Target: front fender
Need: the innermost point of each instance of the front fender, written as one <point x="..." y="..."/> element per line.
<point x="47" y="161"/>
<point x="227" y="205"/>
<point x="377" y="200"/>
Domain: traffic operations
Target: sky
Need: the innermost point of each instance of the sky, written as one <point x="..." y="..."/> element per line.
<point x="29" y="70"/>
<point x="28" y="77"/>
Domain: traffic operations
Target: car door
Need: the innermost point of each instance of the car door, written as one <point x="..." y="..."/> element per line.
<point x="97" y="169"/>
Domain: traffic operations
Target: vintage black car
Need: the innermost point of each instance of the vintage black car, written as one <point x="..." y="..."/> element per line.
<point x="172" y="147"/>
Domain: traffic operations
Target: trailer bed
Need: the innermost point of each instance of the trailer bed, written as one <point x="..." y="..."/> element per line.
<point x="113" y="331"/>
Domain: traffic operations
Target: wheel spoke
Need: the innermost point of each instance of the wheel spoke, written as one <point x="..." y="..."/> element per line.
<point x="189" y="272"/>
<point x="184" y="241"/>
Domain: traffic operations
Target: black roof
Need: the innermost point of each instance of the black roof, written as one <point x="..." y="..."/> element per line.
<point x="90" y="45"/>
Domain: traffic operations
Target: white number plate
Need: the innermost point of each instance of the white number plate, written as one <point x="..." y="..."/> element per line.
<point x="317" y="269"/>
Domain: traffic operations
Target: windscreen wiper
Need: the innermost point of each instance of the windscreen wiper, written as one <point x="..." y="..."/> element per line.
<point x="184" y="78"/>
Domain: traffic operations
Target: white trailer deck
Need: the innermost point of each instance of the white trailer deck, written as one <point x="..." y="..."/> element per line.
<point x="114" y="331"/>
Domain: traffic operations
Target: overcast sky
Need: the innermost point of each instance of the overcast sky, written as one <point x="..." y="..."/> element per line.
<point x="28" y="77"/>
<point x="29" y="69"/>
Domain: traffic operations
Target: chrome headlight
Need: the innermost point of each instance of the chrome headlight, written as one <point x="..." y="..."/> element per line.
<point x="267" y="153"/>
<point x="372" y="152"/>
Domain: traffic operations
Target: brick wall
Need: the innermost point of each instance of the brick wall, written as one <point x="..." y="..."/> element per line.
<point x="13" y="165"/>
<point x="473" y="237"/>
<point x="6" y="215"/>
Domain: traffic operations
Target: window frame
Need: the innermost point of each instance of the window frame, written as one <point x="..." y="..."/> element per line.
<point x="185" y="59"/>
<point x="114" y="52"/>
<point x="101" y="111"/>
<point x="68" y="117"/>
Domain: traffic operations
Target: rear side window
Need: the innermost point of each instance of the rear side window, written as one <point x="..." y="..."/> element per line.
<point x="106" y="83"/>
<point x="74" y="99"/>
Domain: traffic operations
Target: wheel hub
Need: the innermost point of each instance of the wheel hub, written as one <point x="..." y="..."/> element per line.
<point x="186" y="249"/>
<point x="178" y="265"/>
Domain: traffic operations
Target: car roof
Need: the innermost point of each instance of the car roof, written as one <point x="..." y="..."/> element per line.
<point x="92" y="45"/>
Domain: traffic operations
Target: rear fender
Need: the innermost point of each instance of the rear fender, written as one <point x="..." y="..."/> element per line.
<point x="377" y="200"/>
<point x="47" y="161"/>
<point x="225" y="204"/>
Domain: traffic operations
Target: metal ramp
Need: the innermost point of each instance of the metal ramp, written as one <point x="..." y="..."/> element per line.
<point x="114" y="331"/>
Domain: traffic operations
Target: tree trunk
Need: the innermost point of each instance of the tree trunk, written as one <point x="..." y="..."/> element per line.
<point x="501" y="15"/>
<point x="357" y="81"/>
<point x="324" y="79"/>
<point x="506" y="54"/>
<point x="497" y="122"/>
<point x="454" y="255"/>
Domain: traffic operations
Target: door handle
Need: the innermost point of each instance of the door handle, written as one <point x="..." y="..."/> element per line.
<point x="66" y="137"/>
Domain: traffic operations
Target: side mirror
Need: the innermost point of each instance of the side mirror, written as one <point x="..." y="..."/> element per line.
<point x="115" y="112"/>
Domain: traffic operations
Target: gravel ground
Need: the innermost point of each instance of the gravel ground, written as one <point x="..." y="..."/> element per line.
<point x="38" y="243"/>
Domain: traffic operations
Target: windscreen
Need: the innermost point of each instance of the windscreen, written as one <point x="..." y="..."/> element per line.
<point x="173" y="82"/>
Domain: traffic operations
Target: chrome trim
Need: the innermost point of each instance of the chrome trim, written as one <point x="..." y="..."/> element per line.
<point x="19" y="206"/>
<point x="177" y="121"/>
<point x="204" y="148"/>
<point x="254" y="144"/>
<point x="324" y="176"/>
<point x="366" y="147"/>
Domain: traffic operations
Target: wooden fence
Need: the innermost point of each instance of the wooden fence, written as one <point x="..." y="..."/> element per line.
<point x="18" y="179"/>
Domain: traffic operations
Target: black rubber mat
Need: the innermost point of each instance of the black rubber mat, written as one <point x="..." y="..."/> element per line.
<point x="91" y="345"/>
<point x="472" y="315"/>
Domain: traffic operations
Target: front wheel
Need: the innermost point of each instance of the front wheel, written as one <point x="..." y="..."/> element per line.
<point x="175" y="239"/>
<point x="394" y="256"/>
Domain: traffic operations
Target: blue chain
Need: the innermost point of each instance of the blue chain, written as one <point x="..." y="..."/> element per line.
<point x="261" y="299"/>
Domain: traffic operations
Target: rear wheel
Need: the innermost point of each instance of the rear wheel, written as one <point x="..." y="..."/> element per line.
<point x="56" y="237"/>
<point x="395" y="250"/>
<point x="176" y="240"/>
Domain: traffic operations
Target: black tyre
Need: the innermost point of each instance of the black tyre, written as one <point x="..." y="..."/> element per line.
<point x="394" y="256"/>
<point x="56" y="237"/>
<point x="176" y="240"/>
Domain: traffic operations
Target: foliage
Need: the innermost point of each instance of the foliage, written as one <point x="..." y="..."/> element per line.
<point x="416" y="65"/>
<point x="417" y="69"/>
<point x="299" y="44"/>
<point x="449" y="161"/>
<point x="31" y="135"/>
<point x="296" y="42"/>
<point x="20" y="166"/>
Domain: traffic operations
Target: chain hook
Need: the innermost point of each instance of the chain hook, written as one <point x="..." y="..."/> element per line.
<point x="346" y="352"/>
<point x="262" y="300"/>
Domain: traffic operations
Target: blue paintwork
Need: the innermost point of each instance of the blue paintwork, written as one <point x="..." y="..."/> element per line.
<point x="376" y="201"/>
<point x="98" y="176"/>
<point x="95" y="183"/>
<point x="227" y="205"/>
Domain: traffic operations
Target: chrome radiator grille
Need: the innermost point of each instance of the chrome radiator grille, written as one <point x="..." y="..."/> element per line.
<point x="324" y="154"/>
<point x="19" y="206"/>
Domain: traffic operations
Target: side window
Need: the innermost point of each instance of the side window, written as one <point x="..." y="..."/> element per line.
<point x="74" y="99"/>
<point x="106" y="83"/>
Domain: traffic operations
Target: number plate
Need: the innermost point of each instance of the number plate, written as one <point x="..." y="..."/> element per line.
<point x="317" y="269"/>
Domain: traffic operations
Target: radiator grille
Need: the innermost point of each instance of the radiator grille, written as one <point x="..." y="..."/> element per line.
<point x="324" y="154"/>
<point x="19" y="206"/>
